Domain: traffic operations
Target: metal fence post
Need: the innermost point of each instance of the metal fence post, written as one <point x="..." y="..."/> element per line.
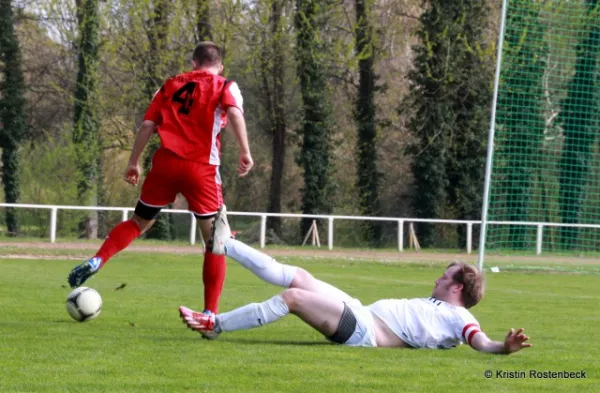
<point x="400" y="235"/>
<point x="469" y="237"/>
<point x="263" y="230"/>
<point x="193" y="228"/>
<point x="330" y="233"/>
<point x="539" y="239"/>
<point x="125" y="215"/>
<point x="53" y="215"/>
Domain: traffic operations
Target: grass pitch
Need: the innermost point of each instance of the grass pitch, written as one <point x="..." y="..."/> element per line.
<point x="138" y="343"/>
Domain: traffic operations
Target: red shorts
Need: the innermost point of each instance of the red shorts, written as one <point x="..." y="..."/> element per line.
<point x="170" y="174"/>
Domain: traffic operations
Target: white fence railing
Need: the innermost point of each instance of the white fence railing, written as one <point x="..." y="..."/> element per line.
<point x="329" y="218"/>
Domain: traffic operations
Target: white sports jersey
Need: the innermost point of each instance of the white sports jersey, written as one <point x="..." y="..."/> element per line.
<point x="427" y="323"/>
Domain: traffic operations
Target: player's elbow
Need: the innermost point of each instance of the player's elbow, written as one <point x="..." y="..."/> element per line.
<point x="235" y="113"/>
<point x="148" y="126"/>
<point x="479" y="342"/>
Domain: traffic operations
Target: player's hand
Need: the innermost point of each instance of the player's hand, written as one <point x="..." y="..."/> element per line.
<point x="132" y="174"/>
<point x="245" y="164"/>
<point x="516" y="340"/>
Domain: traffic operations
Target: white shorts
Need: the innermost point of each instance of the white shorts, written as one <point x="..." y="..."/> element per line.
<point x="364" y="333"/>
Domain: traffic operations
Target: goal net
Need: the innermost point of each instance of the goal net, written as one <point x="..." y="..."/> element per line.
<point x="542" y="190"/>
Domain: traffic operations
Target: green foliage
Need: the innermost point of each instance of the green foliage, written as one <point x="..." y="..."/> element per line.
<point x="316" y="123"/>
<point x="273" y="60"/>
<point x="546" y="155"/>
<point x="54" y="164"/>
<point x="451" y="89"/>
<point x="12" y="112"/>
<point x="203" y="26"/>
<point x="129" y="58"/>
<point x="157" y="32"/>
<point x="365" y="113"/>
<point x="521" y="75"/>
<point x="581" y="120"/>
<point x="86" y="123"/>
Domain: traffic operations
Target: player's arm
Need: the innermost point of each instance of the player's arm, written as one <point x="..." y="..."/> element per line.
<point x="233" y="101"/>
<point x="146" y="130"/>
<point x="238" y="124"/>
<point x="514" y="342"/>
<point x="132" y="173"/>
<point x="152" y="118"/>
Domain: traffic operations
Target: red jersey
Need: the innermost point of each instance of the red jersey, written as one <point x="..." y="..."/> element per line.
<point x="190" y="111"/>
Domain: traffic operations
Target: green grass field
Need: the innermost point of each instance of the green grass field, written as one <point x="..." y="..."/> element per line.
<point x="138" y="343"/>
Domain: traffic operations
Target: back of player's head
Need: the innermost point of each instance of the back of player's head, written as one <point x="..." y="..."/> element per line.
<point x="207" y="54"/>
<point x="472" y="281"/>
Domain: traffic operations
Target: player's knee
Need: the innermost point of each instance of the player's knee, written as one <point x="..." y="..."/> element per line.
<point x="303" y="280"/>
<point x="294" y="298"/>
<point x="142" y="223"/>
<point x="205" y="224"/>
<point x="146" y="212"/>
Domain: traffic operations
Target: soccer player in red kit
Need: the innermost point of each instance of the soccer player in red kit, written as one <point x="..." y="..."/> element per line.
<point x="188" y="112"/>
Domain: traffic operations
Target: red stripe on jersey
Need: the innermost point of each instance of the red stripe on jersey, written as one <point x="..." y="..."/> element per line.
<point x="474" y="332"/>
<point x="467" y="327"/>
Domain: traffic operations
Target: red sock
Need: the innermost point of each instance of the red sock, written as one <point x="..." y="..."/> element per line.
<point x="213" y="277"/>
<point x="120" y="237"/>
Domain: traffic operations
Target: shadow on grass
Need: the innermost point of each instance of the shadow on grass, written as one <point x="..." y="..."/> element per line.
<point x="233" y="340"/>
<point x="251" y="341"/>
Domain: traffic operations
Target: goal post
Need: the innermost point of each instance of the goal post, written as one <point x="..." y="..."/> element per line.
<point x="542" y="182"/>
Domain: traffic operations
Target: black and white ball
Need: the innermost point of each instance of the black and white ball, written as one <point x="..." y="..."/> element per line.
<point x="84" y="304"/>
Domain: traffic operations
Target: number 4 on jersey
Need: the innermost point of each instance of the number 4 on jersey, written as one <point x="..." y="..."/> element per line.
<point x="185" y="97"/>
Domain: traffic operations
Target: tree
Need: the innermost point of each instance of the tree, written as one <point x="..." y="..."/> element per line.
<point x="273" y="62"/>
<point x="12" y="112"/>
<point x="472" y="97"/>
<point x="316" y="122"/>
<point x="203" y="27"/>
<point x="157" y="31"/>
<point x="520" y="105"/>
<point x="580" y="122"/>
<point x="365" y="114"/>
<point x="450" y="96"/>
<point x="86" y="125"/>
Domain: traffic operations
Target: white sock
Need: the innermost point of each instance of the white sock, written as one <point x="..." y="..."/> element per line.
<point x="252" y="315"/>
<point x="261" y="264"/>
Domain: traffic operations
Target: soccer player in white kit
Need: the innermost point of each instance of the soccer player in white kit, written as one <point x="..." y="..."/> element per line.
<point x="441" y="321"/>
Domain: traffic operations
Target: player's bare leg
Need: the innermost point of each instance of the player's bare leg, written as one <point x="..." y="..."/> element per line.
<point x="316" y="302"/>
<point x="205" y="228"/>
<point x="118" y="239"/>
<point x="321" y="312"/>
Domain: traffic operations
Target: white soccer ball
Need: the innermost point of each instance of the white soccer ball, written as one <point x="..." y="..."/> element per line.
<point x="84" y="304"/>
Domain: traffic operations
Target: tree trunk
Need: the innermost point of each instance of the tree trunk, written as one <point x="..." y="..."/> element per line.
<point x="450" y="95"/>
<point x="12" y="112"/>
<point x="316" y="123"/>
<point x="157" y="39"/>
<point x="273" y="72"/>
<point x="86" y="124"/>
<point x="365" y="115"/>
<point x="203" y="27"/>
